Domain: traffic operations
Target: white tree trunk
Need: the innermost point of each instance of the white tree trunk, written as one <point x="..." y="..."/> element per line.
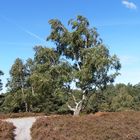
<point x="78" y="106"/>
<point x="76" y="112"/>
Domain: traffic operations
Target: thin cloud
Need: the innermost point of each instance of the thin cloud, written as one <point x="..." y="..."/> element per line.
<point x="34" y="35"/>
<point x="129" y="4"/>
<point x="23" y="29"/>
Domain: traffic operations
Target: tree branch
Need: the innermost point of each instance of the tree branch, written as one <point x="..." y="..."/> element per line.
<point x="83" y="97"/>
<point x="74" y="99"/>
<point x="72" y="109"/>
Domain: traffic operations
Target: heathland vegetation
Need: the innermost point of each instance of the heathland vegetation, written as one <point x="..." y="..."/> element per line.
<point x="6" y="131"/>
<point x="101" y="126"/>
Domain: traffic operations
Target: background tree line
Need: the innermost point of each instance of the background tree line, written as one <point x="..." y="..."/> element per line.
<point x="78" y="59"/>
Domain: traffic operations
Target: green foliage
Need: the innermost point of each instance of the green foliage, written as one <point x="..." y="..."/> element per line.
<point x="120" y="97"/>
<point x="123" y="100"/>
<point x="1" y="73"/>
<point x="2" y="97"/>
<point x="18" y="74"/>
<point x="34" y="86"/>
<point x="93" y="66"/>
<point x="79" y="57"/>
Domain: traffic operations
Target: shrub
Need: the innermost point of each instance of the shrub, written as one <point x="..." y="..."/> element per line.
<point x="18" y="115"/>
<point x="102" y="126"/>
<point x="6" y="131"/>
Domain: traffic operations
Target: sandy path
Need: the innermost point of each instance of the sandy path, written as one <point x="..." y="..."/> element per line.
<point x="23" y="126"/>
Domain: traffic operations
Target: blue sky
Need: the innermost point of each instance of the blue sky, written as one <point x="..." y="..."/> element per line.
<point x="24" y="24"/>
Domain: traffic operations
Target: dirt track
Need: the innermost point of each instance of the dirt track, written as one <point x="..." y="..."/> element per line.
<point x="23" y="126"/>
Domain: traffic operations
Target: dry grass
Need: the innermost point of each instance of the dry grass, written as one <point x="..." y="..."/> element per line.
<point x="6" y="131"/>
<point x="19" y="115"/>
<point x="102" y="126"/>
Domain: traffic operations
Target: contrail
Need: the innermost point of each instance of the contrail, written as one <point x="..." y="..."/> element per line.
<point x="23" y="29"/>
<point x="34" y="35"/>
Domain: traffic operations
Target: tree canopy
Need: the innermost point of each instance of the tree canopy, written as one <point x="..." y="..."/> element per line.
<point x="1" y="73"/>
<point x="64" y="77"/>
<point x="93" y="66"/>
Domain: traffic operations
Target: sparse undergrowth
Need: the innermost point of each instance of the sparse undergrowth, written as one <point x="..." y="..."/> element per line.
<point x="19" y="115"/>
<point x="6" y="131"/>
<point x="102" y="126"/>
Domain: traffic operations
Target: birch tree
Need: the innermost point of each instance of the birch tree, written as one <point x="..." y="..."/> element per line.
<point x="93" y="66"/>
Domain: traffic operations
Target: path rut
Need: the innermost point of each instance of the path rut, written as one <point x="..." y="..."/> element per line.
<point x="23" y="126"/>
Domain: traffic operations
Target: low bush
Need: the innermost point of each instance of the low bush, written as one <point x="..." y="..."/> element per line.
<point x="18" y="115"/>
<point x="6" y="131"/>
<point x="102" y="126"/>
